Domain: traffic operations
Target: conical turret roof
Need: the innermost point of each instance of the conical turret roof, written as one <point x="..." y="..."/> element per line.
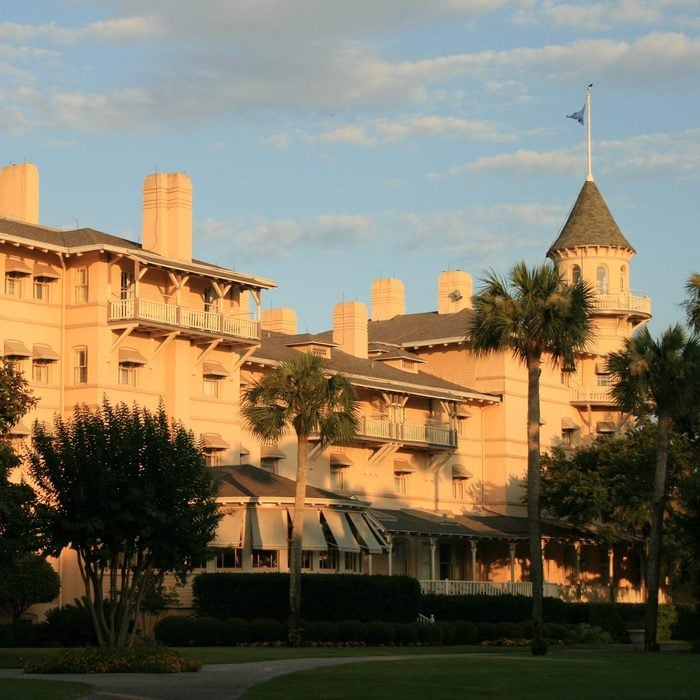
<point x="590" y="224"/>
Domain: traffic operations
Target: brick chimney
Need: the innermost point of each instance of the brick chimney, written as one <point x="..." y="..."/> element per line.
<point x="167" y="215"/>
<point x="280" y="321"/>
<point x="19" y="192"/>
<point x="387" y="299"/>
<point x="350" y="328"/>
<point x="454" y="291"/>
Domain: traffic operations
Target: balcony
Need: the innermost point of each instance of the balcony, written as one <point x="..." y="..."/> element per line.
<point x="592" y="395"/>
<point x="157" y="317"/>
<point x="378" y="430"/>
<point x="629" y="304"/>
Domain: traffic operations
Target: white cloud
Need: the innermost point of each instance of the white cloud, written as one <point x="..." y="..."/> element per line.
<point x="125" y="29"/>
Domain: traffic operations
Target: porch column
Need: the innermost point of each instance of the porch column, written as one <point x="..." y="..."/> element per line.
<point x="511" y="557"/>
<point x="611" y="573"/>
<point x="369" y="564"/>
<point x="390" y="556"/>
<point x="577" y="562"/>
<point x="433" y="547"/>
<point x="472" y="545"/>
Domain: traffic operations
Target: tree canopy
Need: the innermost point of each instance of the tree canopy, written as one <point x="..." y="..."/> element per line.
<point x="129" y="491"/>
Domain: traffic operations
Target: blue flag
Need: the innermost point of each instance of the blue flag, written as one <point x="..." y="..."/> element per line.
<point x="578" y="116"/>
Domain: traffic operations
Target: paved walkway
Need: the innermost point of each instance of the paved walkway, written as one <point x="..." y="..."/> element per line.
<point x="213" y="682"/>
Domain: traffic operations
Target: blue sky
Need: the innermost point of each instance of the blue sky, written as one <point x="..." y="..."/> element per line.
<point x="334" y="142"/>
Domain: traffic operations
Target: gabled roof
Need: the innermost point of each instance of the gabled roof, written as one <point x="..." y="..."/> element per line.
<point x="590" y="223"/>
<point x="88" y="239"/>
<point x="414" y="330"/>
<point x="370" y="373"/>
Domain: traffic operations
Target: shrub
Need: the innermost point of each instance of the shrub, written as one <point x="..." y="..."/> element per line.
<point x="68" y="626"/>
<point x="555" y="632"/>
<point x="380" y="633"/>
<point x="174" y="631"/>
<point x="352" y="631"/>
<point x="427" y="633"/>
<point x="141" y="659"/>
<point x="510" y="630"/>
<point x="322" y="632"/>
<point x="405" y="633"/>
<point x="446" y="631"/>
<point x="6" y="637"/>
<point x="265" y="629"/>
<point x="487" y="631"/>
<point x="23" y="633"/>
<point x="467" y="632"/>
<point x="594" y="635"/>
<point x="687" y="624"/>
<point x="235" y="632"/>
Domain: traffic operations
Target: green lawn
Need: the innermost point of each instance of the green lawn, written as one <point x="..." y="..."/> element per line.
<point x="570" y="675"/>
<point x="30" y="689"/>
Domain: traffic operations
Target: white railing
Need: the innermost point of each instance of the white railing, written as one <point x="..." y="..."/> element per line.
<point x="623" y="302"/>
<point x="182" y="317"/>
<point x="591" y="394"/>
<point x="424" y="434"/>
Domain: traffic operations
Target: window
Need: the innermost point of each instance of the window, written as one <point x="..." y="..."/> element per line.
<point x="13" y="286"/>
<point x="400" y="482"/>
<point x="575" y="274"/>
<point x="601" y="279"/>
<point x="307" y="559"/>
<point x="80" y="366"/>
<point x="338" y="478"/>
<point x="127" y="375"/>
<point x="81" y="285"/>
<point x="268" y="464"/>
<point x="352" y="561"/>
<point x="212" y="458"/>
<point x="211" y="300"/>
<point x="264" y="558"/>
<point x="229" y="558"/>
<point x="41" y="289"/>
<point x="458" y="489"/>
<point x="622" y="279"/>
<point x="210" y="387"/>
<point x="40" y="372"/>
<point x="328" y="560"/>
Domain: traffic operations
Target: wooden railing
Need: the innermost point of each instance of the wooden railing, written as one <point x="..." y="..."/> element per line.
<point x="623" y="302"/>
<point x="591" y="394"/>
<point x="182" y="317"/>
<point x="441" y="436"/>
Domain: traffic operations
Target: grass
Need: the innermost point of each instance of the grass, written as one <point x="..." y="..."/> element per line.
<point x="30" y="689"/>
<point x="570" y="674"/>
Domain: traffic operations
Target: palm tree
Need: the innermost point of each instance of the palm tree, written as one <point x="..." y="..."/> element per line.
<point x="658" y="378"/>
<point x="300" y="395"/>
<point x="533" y="314"/>
<point x="692" y="305"/>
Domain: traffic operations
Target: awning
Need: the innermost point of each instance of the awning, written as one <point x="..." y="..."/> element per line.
<point x="16" y="348"/>
<point x="268" y="528"/>
<point x="44" y="353"/>
<point x="340" y="529"/>
<point x="601" y="367"/>
<point x="46" y="272"/>
<point x="214" y="441"/>
<point x="369" y="538"/>
<point x="568" y="424"/>
<point x="338" y="459"/>
<point x="17" y="268"/>
<point x="230" y="530"/>
<point x="459" y="471"/>
<point x="243" y="451"/>
<point x="463" y="412"/>
<point x="130" y="357"/>
<point x="313" y="538"/>
<point x="212" y="368"/>
<point x="401" y="466"/>
<point x="604" y="426"/>
<point x="271" y="452"/>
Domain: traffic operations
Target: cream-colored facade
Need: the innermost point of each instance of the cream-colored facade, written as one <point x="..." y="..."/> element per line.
<point x="432" y="486"/>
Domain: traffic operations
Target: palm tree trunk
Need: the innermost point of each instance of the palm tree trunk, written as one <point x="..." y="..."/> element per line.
<point x="295" y="544"/>
<point x="657" y="521"/>
<point x="539" y="646"/>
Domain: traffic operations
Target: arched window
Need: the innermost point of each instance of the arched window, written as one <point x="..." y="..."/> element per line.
<point x="622" y="279"/>
<point x="575" y="274"/>
<point x="601" y="279"/>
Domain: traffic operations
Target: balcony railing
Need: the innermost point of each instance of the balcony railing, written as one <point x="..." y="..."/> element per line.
<point x="183" y="317"/>
<point x="623" y="302"/>
<point x="591" y="394"/>
<point x="571" y="593"/>
<point x="440" y="436"/>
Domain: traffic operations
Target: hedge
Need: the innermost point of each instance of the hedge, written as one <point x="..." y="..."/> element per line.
<point x="324" y="597"/>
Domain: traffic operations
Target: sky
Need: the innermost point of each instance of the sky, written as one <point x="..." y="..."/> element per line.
<point x="331" y="143"/>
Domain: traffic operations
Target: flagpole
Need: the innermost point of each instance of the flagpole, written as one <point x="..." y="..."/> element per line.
<point x="588" y="124"/>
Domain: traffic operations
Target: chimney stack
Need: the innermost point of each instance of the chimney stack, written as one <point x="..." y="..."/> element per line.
<point x="350" y="328"/>
<point x="167" y="215"/>
<point x="454" y="291"/>
<point x="387" y="299"/>
<point x="19" y="192"/>
<point x="280" y="321"/>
